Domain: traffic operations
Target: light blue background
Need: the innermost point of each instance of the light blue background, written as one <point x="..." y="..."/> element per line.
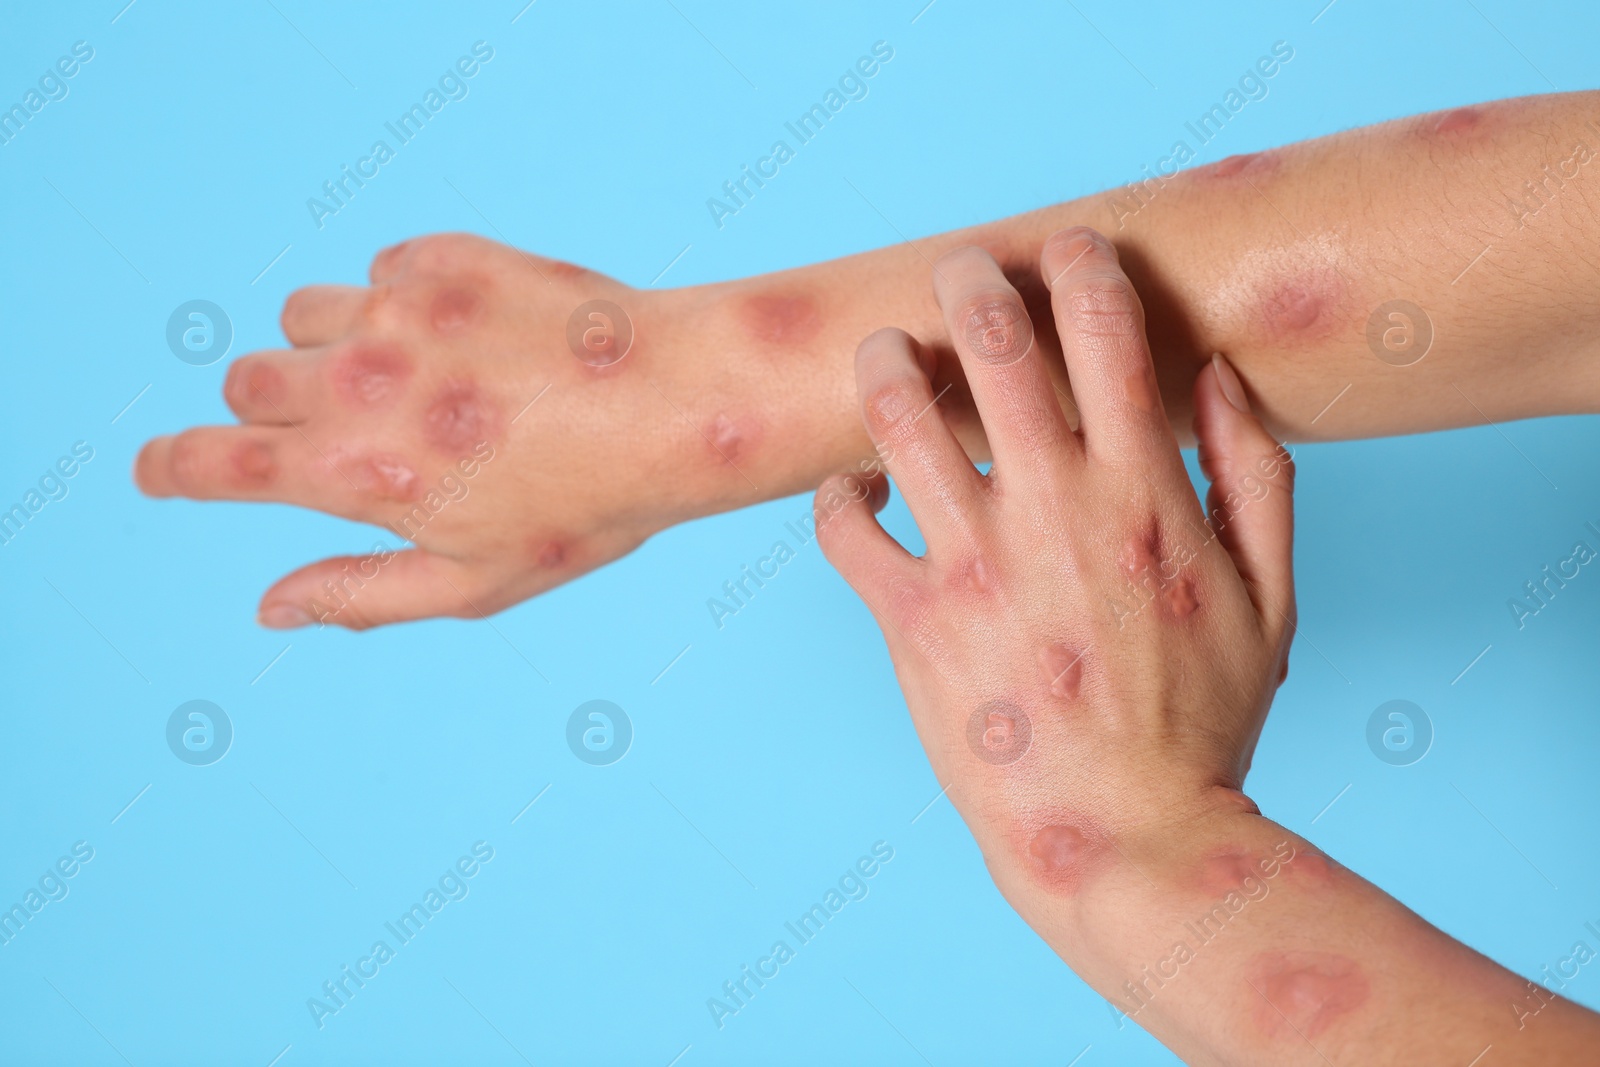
<point x="607" y="917"/>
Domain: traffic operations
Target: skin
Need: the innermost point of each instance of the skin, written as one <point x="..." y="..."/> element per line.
<point x="735" y="393"/>
<point x="1110" y="812"/>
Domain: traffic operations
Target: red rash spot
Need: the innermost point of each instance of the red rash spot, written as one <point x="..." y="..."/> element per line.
<point x="1063" y="670"/>
<point x="388" y="476"/>
<point x="1302" y="994"/>
<point x="1460" y="120"/>
<point x="1138" y="557"/>
<point x="457" y="419"/>
<point x="1141" y="389"/>
<point x="1302" y="306"/>
<point x="1181" y="599"/>
<point x="1251" y="165"/>
<point x="1226" y="872"/>
<point x="780" y="320"/>
<point x="549" y="555"/>
<point x="454" y="310"/>
<point x="1239" y="802"/>
<point x="253" y="465"/>
<point x="1314" y="867"/>
<point x="252" y="382"/>
<point x="974" y="575"/>
<point x="729" y="439"/>
<point x="371" y="374"/>
<point x="1059" y="849"/>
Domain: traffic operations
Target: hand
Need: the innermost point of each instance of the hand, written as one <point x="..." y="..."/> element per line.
<point x="1085" y="658"/>
<point x="443" y="402"/>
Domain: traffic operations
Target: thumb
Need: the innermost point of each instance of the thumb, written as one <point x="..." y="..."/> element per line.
<point x="385" y="586"/>
<point x="1250" y="505"/>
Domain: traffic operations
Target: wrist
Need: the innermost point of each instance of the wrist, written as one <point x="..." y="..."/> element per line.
<point x="761" y="377"/>
<point x="1156" y="886"/>
<point x="1068" y="872"/>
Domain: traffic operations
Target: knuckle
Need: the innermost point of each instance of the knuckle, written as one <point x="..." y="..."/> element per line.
<point x="1073" y="246"/>
<point x="1102" y="291"/>
<point x="1070" y="244"/>
<point x="383" y="308"/>
<point x="1073" y="239"/>
<point x="1104" y="303"/>
<point x="887" y="407"/>
<point x="439" y="252"/>
<point x="387" y="260"/>
<point x="996" y="327"/>
<point x="954" y="259"/>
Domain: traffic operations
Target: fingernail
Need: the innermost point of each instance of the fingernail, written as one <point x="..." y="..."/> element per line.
<point x="282" y="617"/>
<point x="1228" y="379"/>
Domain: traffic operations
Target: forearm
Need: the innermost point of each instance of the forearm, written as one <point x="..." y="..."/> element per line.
<point x="1278" y="261"/>
<point x="1234" y="941"/>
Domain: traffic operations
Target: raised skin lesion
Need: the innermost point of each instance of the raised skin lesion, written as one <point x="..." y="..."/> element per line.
<point x="458" y="418"/>
<point x="1157" y="577"/>
<point x="1301" y="994"/>
<point x="731" y="439"/>
<point x="1226" y="871"/>
<point x="1181" y="599"/>
<point x="973" y="574"/>
<point x="1142" y="391"/>
<point x="1302" y="306"/>
<point x="1063" y="670"/>
<point x="1458" y="120"/>
<point x="1059" y="850"/>
<point x="390" y="477"/>
<point x="779" y="318"/>
<point x="250" y="381"/>
<point x="371" y="374"/>
<point x="1251" y="166"/>
<point x="454" y="310"/>
<point x="1315" y="869"/>
<point x="546" y="553"/>
<point x="1234" y="869"/>
<point x="253" y="465"/>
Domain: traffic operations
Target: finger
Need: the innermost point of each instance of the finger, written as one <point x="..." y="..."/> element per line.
<point x="1251" y="501"/>
<point x="1101" y="325"/>
<point x="273" y="463"/>
<point x="273" y="388"/>
<point x="442" y="254"/>
<point x="384" y="586"/>
<point x="858" y="547"/>
<point x="321" y="314"/>
<point x="914" y="443"/>
<point x="993" y="336"/>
